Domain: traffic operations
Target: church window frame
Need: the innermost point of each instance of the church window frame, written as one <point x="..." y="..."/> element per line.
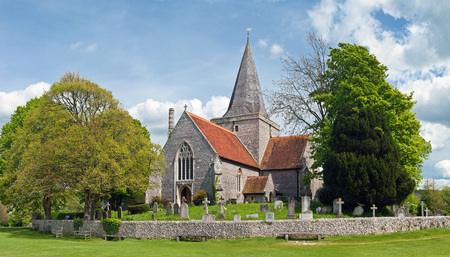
<point x="185" y="163"/>
<point x="239" y="181"/>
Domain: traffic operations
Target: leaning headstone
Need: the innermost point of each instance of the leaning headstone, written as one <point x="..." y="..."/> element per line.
<point x="264" y="208"/>
<point x="169" y="209"/>
<point x="184" y="211"/>
<point x="291" y="211"/>
<point x="210" y="217"/>
<point x="119" y="212"/>
<point x="155" y="207"/>
<point x="237" y="217"/>
<point x="438" y="213"/>
<point x="306" y="216"/>
<point x="240" y="199"/>
<point x="306" y="200"/>
<point x="358" y="211"/>
<point x="252" y="216"/>
<point x="176" y="209"/>
<point x="335" y="206"/>
<point x="270" y="216"/>
<point x="278" y="205"/>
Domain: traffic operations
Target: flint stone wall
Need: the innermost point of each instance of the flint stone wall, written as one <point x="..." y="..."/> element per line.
<point x="243" y="229"/>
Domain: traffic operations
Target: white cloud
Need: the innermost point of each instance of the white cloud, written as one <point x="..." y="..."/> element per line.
<point x="444" y="167"/>
<point x="154" y="114"/>
<point x="439" y="183"/>
<point x="74" y="46"/>
<point x="91" y="48"/>
<point x="262" y="43"/>
<point x="438" y="134"/>
<point x="9" y="101"/>
<point x="276" y="50"/>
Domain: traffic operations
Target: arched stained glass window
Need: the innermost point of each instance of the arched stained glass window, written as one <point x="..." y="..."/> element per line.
<point x="185" y="163"/>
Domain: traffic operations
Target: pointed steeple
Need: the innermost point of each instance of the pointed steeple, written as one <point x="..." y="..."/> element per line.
<point x="247" y="96"/>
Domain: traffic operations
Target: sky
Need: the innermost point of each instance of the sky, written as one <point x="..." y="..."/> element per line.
<point x="154" y="55"/>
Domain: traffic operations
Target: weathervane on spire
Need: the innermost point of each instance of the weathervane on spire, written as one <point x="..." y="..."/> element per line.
<point x="248" y="32"/>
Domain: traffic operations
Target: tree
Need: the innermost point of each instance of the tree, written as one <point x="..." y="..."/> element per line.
<point x="107" y="149"/>
<point x="362" y="165"/>
<point x="356" y="78"/>
<point x="431" y="196"/>
<point x="293" y="98"/>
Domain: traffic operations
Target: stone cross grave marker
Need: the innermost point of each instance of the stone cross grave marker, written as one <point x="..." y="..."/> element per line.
<point x="155" y="207"/>
<point x="205" y="202"/>
<point x="426" y="212"/>
<point x="291" y="211"/>
<point x="221" y="215"/>
<point x="278" y="205"/>
<point x="264" y="208"/>
<point x="340" y="202"/>
<point x="184" y="211"/>
<point x="270" y="216"/>
<point x="407" y="205"/>
<point x="176" y="209"/>
<point x="169" y="209"/>
<point x="237" y="217"/>
<point x="421" y="205"/>
<point x="306" y="200"/>
<point x="373" y="208"/>
<point x="119" y="212"/>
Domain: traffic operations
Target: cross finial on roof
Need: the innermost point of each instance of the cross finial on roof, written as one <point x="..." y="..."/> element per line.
<point x="185" y="107"/>
<point x="248" y="32"/>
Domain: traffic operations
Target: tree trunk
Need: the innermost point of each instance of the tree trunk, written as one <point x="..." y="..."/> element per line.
<point x="47" y="203"/>
<point x="90" y="200"/>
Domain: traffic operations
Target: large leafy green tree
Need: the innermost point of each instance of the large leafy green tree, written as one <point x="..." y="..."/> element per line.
<point x="356" y="78"/>
<point x="363" y="163"/>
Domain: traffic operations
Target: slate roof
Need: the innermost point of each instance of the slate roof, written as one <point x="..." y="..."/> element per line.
<point x="255" y="185"/>
<point x="247" y="96"/>
<point x="284" y="153"/>
<point x="224" y="142"/>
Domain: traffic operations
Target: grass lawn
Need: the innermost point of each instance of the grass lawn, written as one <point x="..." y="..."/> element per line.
<point x="24" y="242"/>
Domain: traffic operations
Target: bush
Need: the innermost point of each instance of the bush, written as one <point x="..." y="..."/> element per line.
<point x="199" y="197"/>
<point x="159" y="199"/>
<point x="77" y="224"/>
<point x="111" y="226"/>
<point x="325" y="196"/>
<point x="4" y="216"/>
<point x="137" y="209"/>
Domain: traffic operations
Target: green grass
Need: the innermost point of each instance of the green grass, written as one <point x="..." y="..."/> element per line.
<point x="433" y="242"/>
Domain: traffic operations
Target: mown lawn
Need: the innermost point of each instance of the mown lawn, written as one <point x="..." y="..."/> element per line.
<point x="433" y="242"/>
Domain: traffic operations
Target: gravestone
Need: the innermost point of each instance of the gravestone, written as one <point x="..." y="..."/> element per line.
<point x="292" y="200"/>
<point x="291" y="211"/>
<point x="221" y="215"/>
<point x="210" y="217"/>
<point x="270" y="216"/>
<point x="340" y="203"/>
<point x="401" y="213"/>
<point x="176" y="209"/>
<point x="335" y="206"/>
<point x="358" y="211"/>
<point x="373" y="208"/>
<point x="184" y="211"/>
<point x="306" y="201"/>
<point x="438" y="213"/>
<point x="109" y="214"/>
<point x="395" y="209"/>
<point x="169" y="209"/>
<point x="205" y="202"/>
<point x="153" y="217"/>
<point x="119" y="212"/>
<point x="264" y="208"/>
<point x="240" y="199"/>
<point x="421" y="206"/>
<point x="155" y="207"/>
<point x="306" y="216"/>
<point x="98" y="215"/>
<point x="407" y="205"/>
<point x="237" y="217"/>
<point x="278" y="205"/>
<point x="252" y="216"/>
<point x="104" y="215"/>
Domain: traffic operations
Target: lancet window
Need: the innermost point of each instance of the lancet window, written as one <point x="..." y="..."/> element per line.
<point x="185" y="162"/>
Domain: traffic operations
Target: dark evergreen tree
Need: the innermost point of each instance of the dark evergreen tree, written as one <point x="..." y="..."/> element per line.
<point x="363" y="165"/>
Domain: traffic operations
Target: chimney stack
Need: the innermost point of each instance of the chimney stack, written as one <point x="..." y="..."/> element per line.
<point x="171" y="121"/>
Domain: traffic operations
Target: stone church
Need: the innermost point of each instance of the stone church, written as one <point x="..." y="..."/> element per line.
<point x="241" y="154"/>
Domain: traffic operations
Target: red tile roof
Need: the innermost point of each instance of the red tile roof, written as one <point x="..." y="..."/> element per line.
<point x="255" y="185"/>
<point x="284" y="153"/>
<point x="224" y="142"/>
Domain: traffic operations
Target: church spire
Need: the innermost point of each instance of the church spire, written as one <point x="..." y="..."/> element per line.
<point x="247" y="96"/>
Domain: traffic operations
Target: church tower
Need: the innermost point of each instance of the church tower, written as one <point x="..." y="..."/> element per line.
<point x="246" y="115"/>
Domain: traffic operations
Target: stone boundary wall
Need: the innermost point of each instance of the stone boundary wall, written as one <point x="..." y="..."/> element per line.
<point x="243" y="229"/>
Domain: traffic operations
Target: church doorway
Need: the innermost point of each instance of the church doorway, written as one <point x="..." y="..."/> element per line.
<point x="186" y="192"/>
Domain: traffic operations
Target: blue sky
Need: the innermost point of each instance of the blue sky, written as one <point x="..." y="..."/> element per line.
<point x="158" y="54"/>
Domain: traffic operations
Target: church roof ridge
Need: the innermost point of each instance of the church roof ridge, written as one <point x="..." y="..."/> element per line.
<point x="211" y="123"/>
